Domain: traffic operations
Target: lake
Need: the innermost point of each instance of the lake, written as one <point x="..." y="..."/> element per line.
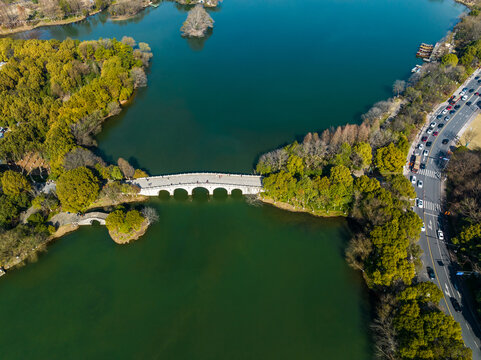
<point x="218" y="278"/>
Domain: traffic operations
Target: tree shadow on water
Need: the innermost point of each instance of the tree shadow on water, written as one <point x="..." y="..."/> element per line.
<point x="197" y="44"/>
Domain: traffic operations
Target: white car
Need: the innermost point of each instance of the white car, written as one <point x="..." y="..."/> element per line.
<point x="420" y="203"/>
<point x="420" y="146"/>
<point x="464" y="98"/>
<point x="429" y="131"/>
<point x="425" y="153"/>
<point x="423" y="229"/>
<point x="440" y="235"/>
<point x="462" y="93"/>
<point x="413" y="179"/>
<point x="445" y="111"/>
<point x="420" y="184"/>
<point x="433" y="124"/>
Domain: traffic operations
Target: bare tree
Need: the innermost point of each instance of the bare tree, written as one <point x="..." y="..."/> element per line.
<point x="398" y="87"/>
<point x="139" y="77"/>
<point x="127" y="40"/>
<point x="150" y="214"/>
<point x="197" y="23"/>
<point x="127" y="169"/>
<point x="81" y="157"/>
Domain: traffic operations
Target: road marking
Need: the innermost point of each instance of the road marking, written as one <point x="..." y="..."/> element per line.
<point x="430" y="225"/>
<point x="432" y="206"/>
<point x="447" y="290"/>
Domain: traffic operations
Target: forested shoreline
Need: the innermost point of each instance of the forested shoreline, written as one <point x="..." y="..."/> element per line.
<point x="54" y="97"/>
<point x="356" y="171"/>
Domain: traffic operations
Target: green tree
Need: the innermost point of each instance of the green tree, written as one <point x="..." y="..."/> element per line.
<point x="390" y="159"/>
<point x="124" y="222"/>
<point x="449" y="60"/>
<point x="14" y="183"/>
<point x="77" y="189"/>
<point x="295" y="165"/>
<point x="363" y="153"/>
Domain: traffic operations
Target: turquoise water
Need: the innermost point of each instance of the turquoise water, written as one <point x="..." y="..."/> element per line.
<point x="217" y="278"/>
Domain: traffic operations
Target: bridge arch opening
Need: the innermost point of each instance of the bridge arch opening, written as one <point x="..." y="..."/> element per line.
<point x="237" y="193"/>
<point x="220" y="194"/>
<point x="200" y="194"/>
<point x="181" y="194"/>
<point x="164" y="195"/>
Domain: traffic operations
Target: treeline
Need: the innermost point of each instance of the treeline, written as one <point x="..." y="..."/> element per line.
<point x="464" y="201"/>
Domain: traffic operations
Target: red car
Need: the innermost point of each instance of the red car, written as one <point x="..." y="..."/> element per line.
<point x="435" y="133"/>
<point x="424" y="138"/>
<point x="476" y="93"/>
<point x="449" y="107"/>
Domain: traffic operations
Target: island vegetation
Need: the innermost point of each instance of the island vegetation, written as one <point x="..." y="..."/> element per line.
<point x="197" y="23"/>
<point x="54" y="97"/>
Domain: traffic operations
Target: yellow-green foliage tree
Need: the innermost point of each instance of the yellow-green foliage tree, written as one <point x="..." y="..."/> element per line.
<point x="14" y="183"/>
<point x="123" y="222"/>
<point x="390" y="159"/>
<point x="77" y="189"/>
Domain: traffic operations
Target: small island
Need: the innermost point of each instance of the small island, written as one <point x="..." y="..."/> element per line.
<point x="198" y="22"/>
<point x="126" y="226"/>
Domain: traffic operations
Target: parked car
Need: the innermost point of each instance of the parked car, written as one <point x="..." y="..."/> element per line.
<point x="420" y="184"/>
<point x="433" y="124"/>
<point x="420" y="146"/>
<point x="423" y="229"/>
<point x="424" y="138"/>
<point x="429" y="131"/>
<point x="430" y="272"/>
<point x="435" y="133"/>
<point x="425" y="153"/>
<point x="439" y="117"/>
<point x="440" y="125"/>
<point x="471" y="90"/>
<point x="449" y="107"/>
<point x="420" y="203"/>
<point x="455" y="304"/>
<point x="422" y="166"/>
<point x="457" y="106"/>
<point x="469" y="103"/>
<point x="447" y="118"/>
<point x="464" y="98"/>
<point x="445" y="111"/>
<point x="429" y="143"/>
<point x="413" y="179"/>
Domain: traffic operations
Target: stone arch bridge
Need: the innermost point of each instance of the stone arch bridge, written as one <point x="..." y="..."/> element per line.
<point x="153" y="185"/>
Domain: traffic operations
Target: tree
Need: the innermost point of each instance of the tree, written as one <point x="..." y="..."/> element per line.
<point x="150" y="214"/>
<point x="398" y="87"/>
<point x="77" y="189"/>
<point x="124" y="222"/>
<point x="127" y="169"/>
<point x="449" y="60"/>
<point x="390" y="159"/>
<point x="14" y="183"/>
<point x="197" y="22"/>
<point x="363" y="152"/>
<point x="139" y="77"/>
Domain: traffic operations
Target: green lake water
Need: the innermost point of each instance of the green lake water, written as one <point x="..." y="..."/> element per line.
<point x="218" y="278"/>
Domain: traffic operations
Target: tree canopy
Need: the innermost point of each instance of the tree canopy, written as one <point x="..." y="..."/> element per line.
<point x="77" y="189"/>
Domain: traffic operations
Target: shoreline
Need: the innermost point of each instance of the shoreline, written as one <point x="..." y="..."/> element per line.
<point x="24" y="28"/>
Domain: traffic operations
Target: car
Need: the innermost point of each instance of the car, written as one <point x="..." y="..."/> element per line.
<point x="465" y="89"/>
<point x="423" y="229"/>
<point x="420" y="146"/>
<point x="462" y="93"/>
<point x="420" y="203"/>
<point x="430" y="272"/>
<point x="457" y="106"/>
<point x="420" y="184"/>
<point x="422" y="166"/>
<point x="440" y="234"/>
<point x="452" y="112"/>
<point x="425" y="153"/>
<point x="445" y="141"/>
<point x="449" y="107"/>
<point x="429" y="143"/>
<point x="440" y="125"/>
<point x="476" y="78"/>
<point x="455" y="304"/>
<point x="433" y="124"/>
<point x="413" y="179"/>
<point x="435" y="133"/>
<point x="444" y="112"/>
<point x="464" y="98"/>
<point x="469" y="103"/>
<point x="439" y="117"/>
<point x="429" y="131"/>
<point x="447" y="118"/>
<point x="471" y="90"/>
<point x="476" y="93"/>
<point x="424" y="138"/>
<point x="479" y="81"/>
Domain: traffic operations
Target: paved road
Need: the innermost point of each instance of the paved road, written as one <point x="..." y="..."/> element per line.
<point x="435" y="251"/>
